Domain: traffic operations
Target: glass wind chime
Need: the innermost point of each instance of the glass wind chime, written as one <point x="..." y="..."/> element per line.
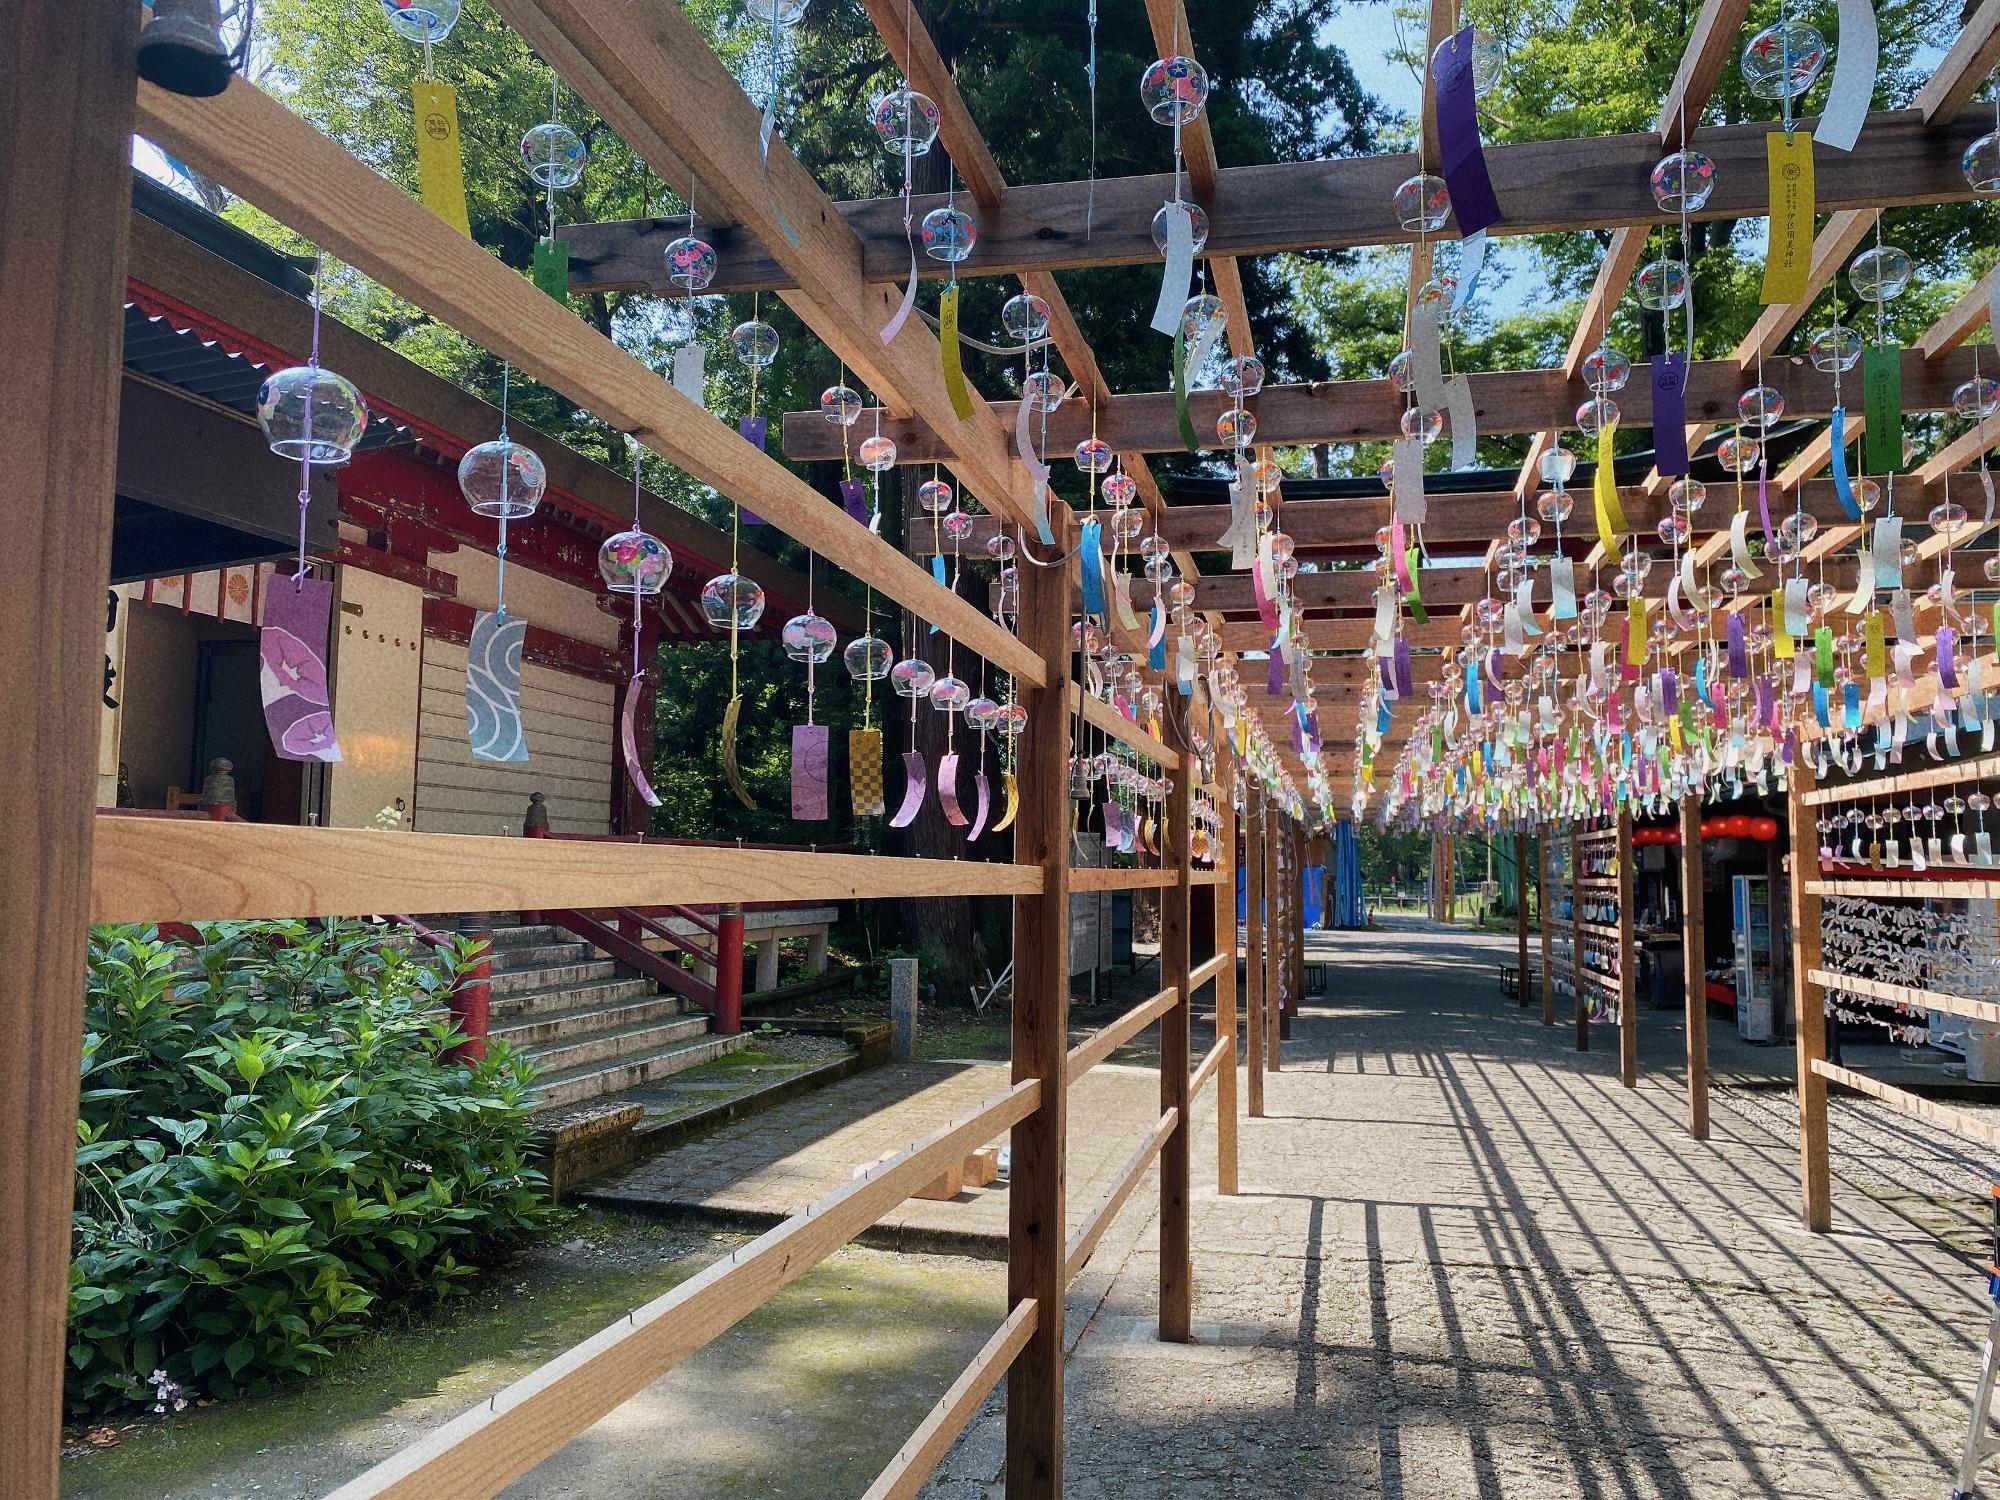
<point x="636" y="563"/>
<point x="503" y="481"/>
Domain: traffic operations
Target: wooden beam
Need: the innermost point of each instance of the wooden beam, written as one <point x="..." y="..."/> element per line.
<point x="1350" y="411"/>
<point x="1544" y="187"/>
<point x="1106" y="1040"/>
<point x="68" y="102"/>
<point x="1037" y="1265"/>
<point x="452" y="419"/>
<point x="1711" y="43"/>
<point x="481" y="1451"/>
<point x="191" y="870"/>
<point x="1961" y="320"/>
<point x="250" y="142"/>
<point x="1972" y="56"/>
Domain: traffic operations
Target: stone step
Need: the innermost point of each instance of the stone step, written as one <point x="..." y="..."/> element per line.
<point x="576" y="997"/>
<point x="573" y="1085"/>
<point x="618" y="1042"/>
<point x="539" y="1030"/>
<point x="525" y="935"/>
<point x="552" y="976"/>
<point x="539" y="955"/>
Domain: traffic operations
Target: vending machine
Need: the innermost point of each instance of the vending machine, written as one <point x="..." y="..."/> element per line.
<point x="1750" y="910"/>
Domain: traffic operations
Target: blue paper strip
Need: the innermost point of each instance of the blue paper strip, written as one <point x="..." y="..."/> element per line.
<point x="1843" y="487"/>
<point x="1090" y="552"/>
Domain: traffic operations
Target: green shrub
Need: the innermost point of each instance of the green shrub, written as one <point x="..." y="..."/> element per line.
<point x="273" y="1148"/>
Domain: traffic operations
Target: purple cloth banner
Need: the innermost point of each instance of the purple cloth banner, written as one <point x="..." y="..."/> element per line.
<point x="1670" y="446"/>
<point x="753" y="430"/>
<point x="809" y="750"/>
<point x="1472" y="200"/>
<point x="855" y="498"/>
<point x="298" y="708"/>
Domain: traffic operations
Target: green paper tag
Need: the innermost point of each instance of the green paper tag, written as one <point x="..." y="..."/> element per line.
<point x="551" y="271"/>
<point x="1882" y="400"/>
<point x="1415" y="597"/>
<point x="1823" y="656"/>
<point x="1180" y="390"/>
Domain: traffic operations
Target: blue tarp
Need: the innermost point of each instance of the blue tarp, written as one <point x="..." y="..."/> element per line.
<point x="1312" y="892"/>
<point x="1347" y="905"/>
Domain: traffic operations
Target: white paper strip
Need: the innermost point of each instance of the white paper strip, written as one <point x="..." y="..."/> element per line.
<point x="1864" y="585"/>
<point x="1471" y="261"/>
<point x="1691" y="586"/>
<point x="1562" y="588"/>
<point x="1524" y="601"/>
<point x="1464" y="422"/>
<point x="1426" y="357"/>
<point x="1905" y="616"/>
<point x="690" y="364"/>
<point x="1024" y="448"/>
<point x="1856" y="54"/>
<point x="1887" y="550"/>
<point x="1241" y="537"/>
<point x="1179" y="274"/>
<point x="1121" y="600"/>
<point x="1798" y="613"/>
<point x="1739" y="546"/>
<point x="1407" y="456"/>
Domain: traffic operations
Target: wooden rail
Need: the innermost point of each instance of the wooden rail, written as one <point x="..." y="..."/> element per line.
<point x="1956" y="1121"/>
<point x="159" y="870"/>
<point x="1912" y="890"/>
<point x="1209" y="1064"/>
<point x="1107" y="878"/>
<point x="1953" y="774"/>
<point x="1102" y="716"/>
<point x="485" y="1449"/>
<point x="915" y="1460"/>
<point x="1903" y="994"/>
<point x="1211" y="968"/>
<point x="1077" y="1253"/>
<point x="1093" y="1049"/>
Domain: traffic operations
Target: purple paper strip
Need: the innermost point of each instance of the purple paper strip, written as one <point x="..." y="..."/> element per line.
<point x="1739" y="660"/>
<point x="1670" y="448"/>
<point x="1298" y="736"/>
<point x="298" y="708"/>
<point x="1404" y="686"/>
<point x="1670" y="691"/>
<point x="753" y="430"/>
<point x="982" y="807"/>
<point x="1947" y="638"/>
<point x="1114" y="830"/>
<point x="855" y="497"/>
<point x="1274" y="674"/>
<point x="1472" y="200"/>
<point x="948" y="790"/>
<point x="809" y="752"/>
<point x="1764" y="506"/>
<point x="1388" y="668"/>
<point x="916" y="783"/>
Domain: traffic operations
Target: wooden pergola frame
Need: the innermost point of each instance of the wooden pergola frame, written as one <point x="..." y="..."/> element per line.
<point x="650" y="75"/>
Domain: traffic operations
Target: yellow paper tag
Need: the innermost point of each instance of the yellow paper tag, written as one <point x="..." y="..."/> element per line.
<point x="954" y="371"/>
<point x="440" y="168"/>
<point x="1604" y="489"/>
<point x="864" y="771"/>
<point x="1876" y="657"/>
<point x="1635" y="632"/>
<point x="1788" y="258"/>
<point x="1782" y="645"/>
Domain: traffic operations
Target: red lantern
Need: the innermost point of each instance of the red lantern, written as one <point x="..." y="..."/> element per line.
<point x="1763" y="829"/>
<point x="1739" y="825"/>
<point x="1670" y="835"/>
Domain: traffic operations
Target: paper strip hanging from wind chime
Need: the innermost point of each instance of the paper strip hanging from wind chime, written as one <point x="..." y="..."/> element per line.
<point x="493" y="686"/>
<point x="292" y="677"/>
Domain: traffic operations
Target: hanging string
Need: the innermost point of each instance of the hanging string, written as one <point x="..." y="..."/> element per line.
<point x="506" y="474"/>
<point x="1090" y="75"/>
<point x="305" y="455"/>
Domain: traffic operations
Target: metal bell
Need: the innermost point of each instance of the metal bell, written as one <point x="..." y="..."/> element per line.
<point x="181" y="48"/>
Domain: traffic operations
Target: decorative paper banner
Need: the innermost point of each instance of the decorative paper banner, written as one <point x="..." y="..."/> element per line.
<point x="291" y="676"/>
<point x="729" y="767"/>
<point x="551" y="268"/>
<point x="1241" y="536"/>
<point x="1797" y="612"/>
<point x="1635" y="638"/>
<point x="1788" y="259"/>
<point x="1121" y="601"/>
<point x="983" y="805"/>
<point x="1843" y="487"/>
<point x="1902" y="611"/>
<point x="1676" y="610"/>
<point x="948" y="789"/>
<point x="1179" y="275"/>
<point x="493" y="687"/>
<point x="854" y="499"/>
<point x="440" y="167"/>
<point x="1764" y="506"/>
<point x="1471" y="261"/>
<point x="755" y="430"/>
<point x="1261" y="580"/>
<point x="902" y="314"/>
<point x="1882" y="403"/>
<point x="1426" y="357"/>
<point x="1562" y="588"/>
<point x="1604" y="492"/>
<point x="628" y="741"/>
<point x="1739" y="545"/>
<point x="1188" y="361"/>
<point x="690" y="372"/>
<point x="1464" y="422"/>
<point x="1864" y="585"/>
<point x="1857" y="51"/>
<point x="1464" y="165"/>
<point x="1524" y="605"/>
<point x="864" y="771"/>
<point x="809" y="756"/>
<point x="954" y="369"/>
<point x="1013" y="803"/>
<point x="1274" y="673"/>
<point x="916" y="781"/>
<point x="1670" y="449"/>
<point x="1024" y="448"/>
<point x="1090" y="555"/>
<point x="1886" y="552"/>
<point x="1407" y="456"/>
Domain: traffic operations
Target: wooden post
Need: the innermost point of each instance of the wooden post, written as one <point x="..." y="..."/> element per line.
<point x="1545" y="919"/>
<point x="1809" y="1025"/>
<point x="1274" y="940"/>
<point x="65" y="189"/>
<point x="1225" y="981"/>
<point x="1296" y="931"/>
<point x="1253" y="966"/>
<point x="1521" y="917"/>
<point x="1036" y="1259"/>
<point x="1176" y="911"/>
<point x="1628" y="987"/>
<point x="1694" y="951"/>
<point x="1576" y="942"/>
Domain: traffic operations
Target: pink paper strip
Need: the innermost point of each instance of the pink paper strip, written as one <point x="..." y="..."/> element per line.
<point x="809" y="754"/>
<point x="292" y="679"/>
<point x="948" y="790"/>
<point x="983" y="807"/>
<point x="914" y="787"/>
<point x="895" y="324"/>
<point x="628" y="740"/>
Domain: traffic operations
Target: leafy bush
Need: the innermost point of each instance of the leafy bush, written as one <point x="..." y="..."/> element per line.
<point x="273" y="1147"/>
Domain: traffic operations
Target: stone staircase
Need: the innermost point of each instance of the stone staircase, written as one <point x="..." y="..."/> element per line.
<point x="592" y="1030"/>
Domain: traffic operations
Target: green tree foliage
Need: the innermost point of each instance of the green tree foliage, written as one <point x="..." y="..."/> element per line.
<point x="274" y="1148"/>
